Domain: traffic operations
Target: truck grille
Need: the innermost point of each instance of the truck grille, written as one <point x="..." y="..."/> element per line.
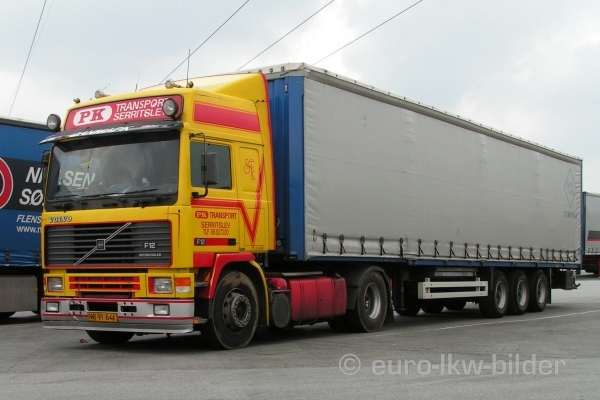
<point x="104" y="283"/>
<point x="119" y="243"/>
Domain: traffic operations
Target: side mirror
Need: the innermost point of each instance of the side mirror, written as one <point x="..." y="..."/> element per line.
<point x="211" y="177"/>
<point x="45" y="158"/>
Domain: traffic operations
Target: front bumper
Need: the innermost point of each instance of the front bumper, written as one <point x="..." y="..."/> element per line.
<point x="134" y="315"/>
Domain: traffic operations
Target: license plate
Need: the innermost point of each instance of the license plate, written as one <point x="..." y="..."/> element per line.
<point x="102" y="317"/>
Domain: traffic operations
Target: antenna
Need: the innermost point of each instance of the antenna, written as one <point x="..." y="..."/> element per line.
<point x="187" y="72"/>
<point x="137" y="82"/>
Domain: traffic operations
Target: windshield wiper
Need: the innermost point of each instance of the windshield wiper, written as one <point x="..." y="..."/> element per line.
<point x="78" y="197"/>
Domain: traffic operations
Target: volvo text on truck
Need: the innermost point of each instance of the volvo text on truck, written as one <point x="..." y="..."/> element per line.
<point x="21" y="201"/>
<point x="290" y="196"/>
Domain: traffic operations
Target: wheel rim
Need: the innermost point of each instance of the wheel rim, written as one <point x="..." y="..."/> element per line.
<point x="541" y="291"/>
<point x="372" y="301"/>
<point x="237" y="310"/>
<point x="521" y="293"/>
<point x="500" y="295"/>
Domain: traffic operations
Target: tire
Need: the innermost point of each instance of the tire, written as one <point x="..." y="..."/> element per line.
<point x="5" y="315"/>
<point x="371" y="304"/>
<point x="539" y="291"/>
<point x="432" y="307"/>
<point x="106" y="337"/>
<point x="519" y="295"/>
<point x="235" y="312"/>
<point x="455" y="305"/>
<point x="495" y="304"/>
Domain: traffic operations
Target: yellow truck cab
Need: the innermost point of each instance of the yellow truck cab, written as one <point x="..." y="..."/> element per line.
<point x="150" y="195"/>
<point x="293" y="196"/>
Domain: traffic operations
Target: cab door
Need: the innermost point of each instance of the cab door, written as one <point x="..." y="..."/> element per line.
<point x="251" y="184"/>
<point x="217" y="213"/>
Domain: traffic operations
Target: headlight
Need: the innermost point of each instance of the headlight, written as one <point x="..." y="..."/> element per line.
<point x="161" y="285"/>
<point x="55" y="284"/>
<point x="170" y="108"/>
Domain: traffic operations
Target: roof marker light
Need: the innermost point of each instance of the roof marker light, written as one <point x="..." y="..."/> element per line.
<point x="171" y="84"/>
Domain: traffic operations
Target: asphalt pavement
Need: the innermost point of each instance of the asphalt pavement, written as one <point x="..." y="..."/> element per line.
<point x="453" y="355"/>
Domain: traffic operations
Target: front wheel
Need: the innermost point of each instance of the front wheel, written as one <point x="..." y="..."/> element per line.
<point x="235" y="312"/>
<point x="106" y="337"/>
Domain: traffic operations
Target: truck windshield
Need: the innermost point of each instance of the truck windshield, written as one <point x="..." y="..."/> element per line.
<point x="117" y="171"/>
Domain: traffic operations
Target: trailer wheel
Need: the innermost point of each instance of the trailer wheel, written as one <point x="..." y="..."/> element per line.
<point x="455" y="305"/>
<point x="496" y="302"/>
<point x="371" y="303"/>
<point x="432" y="307"/>
<point x="539" y="291"/>
<point x="106" y="337"/>
<point x="518" y="301"/>
<point x="5" y="315"/>
<point x="235" y="312"/>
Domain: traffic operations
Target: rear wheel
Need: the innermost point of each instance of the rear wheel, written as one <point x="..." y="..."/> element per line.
<point x="235" y="312"/>
<point x="455" y="305"/>
<point x="432" y="307"/>
<point x="539" y="290"/>
<point x="371" y="304"/>
<point x="519" y="293"/>
<point x="496" y="302"/>
<point x="106" y="337"/>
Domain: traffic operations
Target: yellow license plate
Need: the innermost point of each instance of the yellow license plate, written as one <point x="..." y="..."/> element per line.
<point x="102" y="317"/>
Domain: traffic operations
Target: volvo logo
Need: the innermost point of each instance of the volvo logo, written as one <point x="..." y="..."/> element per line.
<point x="101" y="243"/>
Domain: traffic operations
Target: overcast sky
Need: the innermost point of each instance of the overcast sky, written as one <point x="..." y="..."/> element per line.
<point x="528" y="67"/>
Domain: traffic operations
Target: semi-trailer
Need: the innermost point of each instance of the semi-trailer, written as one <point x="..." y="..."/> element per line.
<point x="21" y="201"/>
<point x="591" y="232"/>
<point x="291" y="195"/>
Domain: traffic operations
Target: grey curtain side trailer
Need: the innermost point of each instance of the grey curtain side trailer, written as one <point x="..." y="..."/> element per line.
<point x="365" y="177"/>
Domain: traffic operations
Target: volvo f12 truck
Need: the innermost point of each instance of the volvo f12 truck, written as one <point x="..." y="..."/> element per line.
<point x="591" y="232"/>
<point x="290" y="196"/>
<point x="21" y="199"/>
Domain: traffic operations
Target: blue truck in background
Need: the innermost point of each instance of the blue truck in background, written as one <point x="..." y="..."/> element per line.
<point x="21" y="199"/>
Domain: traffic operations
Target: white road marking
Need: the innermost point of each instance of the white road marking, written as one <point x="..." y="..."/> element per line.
<point x="507" y="321"/>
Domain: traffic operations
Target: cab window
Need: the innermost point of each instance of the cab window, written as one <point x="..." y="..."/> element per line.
<point x="218" y="165"/>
